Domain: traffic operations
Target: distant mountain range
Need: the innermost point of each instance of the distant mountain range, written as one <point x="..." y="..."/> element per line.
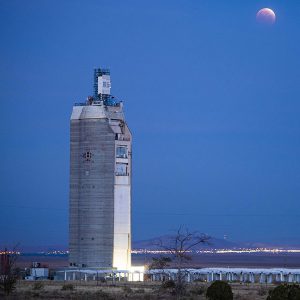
<point x="214" y="243"/>
<point x="152" y="244"/>
<point x="167" y="240"/>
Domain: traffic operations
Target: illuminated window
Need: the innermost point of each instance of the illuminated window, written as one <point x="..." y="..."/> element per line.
<point x="121" y="152"/>
<point x="121" y="169"/>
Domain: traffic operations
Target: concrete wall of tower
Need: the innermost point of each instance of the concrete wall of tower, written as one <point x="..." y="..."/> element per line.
<point x="100" y="197"/>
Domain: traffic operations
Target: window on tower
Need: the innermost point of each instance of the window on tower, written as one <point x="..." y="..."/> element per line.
<point x="121" y="169"/>
<point x="121" y="152"/>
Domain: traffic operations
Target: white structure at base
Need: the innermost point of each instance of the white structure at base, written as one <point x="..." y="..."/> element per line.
<point x="230" y="274"/>
<point x="38" y="273"/>
<point x="133" y="274"/>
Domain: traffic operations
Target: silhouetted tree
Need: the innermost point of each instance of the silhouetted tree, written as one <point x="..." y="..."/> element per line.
<point x="285" y="292"/>
<point x="8" y="271"/>
<point x="180" y="247"/>
<point x="219" y="290"/>
<point x="160" y="263"/>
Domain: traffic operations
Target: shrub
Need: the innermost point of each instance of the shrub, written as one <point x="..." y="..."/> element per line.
<point x="285" y="292"/>
<point x="240" y="297"/>
<point x="199" y="280"/>
<point x="103" y="295"/>
<point x="199" y="290"/>
<point x="180" y="288"/>
<point x="219" y="290"/>
<point x="168" y="284"/>
<point x="8" y="283"/>
<point x="68" y="287"/>
<point x="38" y="285"/>
<point x="140" y="291"/>
<point x="127" y="289"/>
<point x="262" y="291"/>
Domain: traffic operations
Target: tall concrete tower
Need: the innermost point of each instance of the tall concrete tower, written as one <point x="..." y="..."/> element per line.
<point x="100" y="181"/>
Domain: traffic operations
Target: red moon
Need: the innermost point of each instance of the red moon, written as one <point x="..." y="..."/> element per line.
<point x="266" y="15"/>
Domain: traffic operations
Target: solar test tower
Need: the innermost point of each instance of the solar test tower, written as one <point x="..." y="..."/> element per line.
<point x="100" y="181"/>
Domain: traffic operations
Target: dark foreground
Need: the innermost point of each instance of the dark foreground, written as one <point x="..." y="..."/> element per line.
<point x="141" y="290"/>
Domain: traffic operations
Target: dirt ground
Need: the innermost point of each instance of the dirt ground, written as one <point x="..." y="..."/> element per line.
<point x="141" y="290"/>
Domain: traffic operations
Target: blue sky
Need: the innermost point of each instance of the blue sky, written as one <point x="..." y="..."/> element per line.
<point x="212" y="99"/>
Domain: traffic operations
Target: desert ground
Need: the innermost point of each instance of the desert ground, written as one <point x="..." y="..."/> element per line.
<point x="148" y="290"/>
<point x="139" y="290"/>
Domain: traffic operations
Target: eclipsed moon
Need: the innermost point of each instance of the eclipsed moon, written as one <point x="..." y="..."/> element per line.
<point x="266" y="15"/>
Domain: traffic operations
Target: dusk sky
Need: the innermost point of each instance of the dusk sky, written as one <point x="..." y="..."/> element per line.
<point x="212" y="99"/>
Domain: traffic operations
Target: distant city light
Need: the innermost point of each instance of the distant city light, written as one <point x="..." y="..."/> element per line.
<point x="10" y="252"/>
<point x="208" y="251"/>
<point x="221" y="251"/>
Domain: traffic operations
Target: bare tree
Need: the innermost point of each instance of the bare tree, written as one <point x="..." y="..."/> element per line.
<point x="160" y="263"/>
<point x="180" y="247"/>
<point x="8" y="271"/>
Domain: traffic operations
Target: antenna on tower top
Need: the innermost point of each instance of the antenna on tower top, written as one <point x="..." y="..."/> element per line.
<point x="102" y="83"/>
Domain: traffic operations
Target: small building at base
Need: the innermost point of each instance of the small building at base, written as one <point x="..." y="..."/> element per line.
<point x="37" y="272"/>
